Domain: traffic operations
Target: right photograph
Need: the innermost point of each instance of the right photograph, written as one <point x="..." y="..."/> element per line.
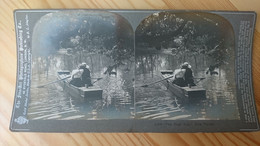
<point x="185" y="67"/>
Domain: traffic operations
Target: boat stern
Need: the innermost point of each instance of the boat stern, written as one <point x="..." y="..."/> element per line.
<point x="195" y="93"/>
<point x="92" y="92"/>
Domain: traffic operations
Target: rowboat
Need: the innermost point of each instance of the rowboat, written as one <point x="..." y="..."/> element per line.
<point x="92" y="92"/>
<point x="186" y="93"/>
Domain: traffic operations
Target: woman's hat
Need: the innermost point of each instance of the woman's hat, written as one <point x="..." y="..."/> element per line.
<point x="85" y="65"/>
<point x="186" y="64"/>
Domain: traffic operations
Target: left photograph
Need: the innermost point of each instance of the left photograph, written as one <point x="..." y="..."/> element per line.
<point x="82" y="67"/>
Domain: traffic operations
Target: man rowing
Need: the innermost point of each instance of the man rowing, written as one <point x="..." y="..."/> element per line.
<point x="184" y="77"/>
<point x="85" y="77"/>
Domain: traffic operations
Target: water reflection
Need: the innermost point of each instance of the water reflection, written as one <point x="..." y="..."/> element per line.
<point x="156" y="102"/>
<point x="52" y="102"/>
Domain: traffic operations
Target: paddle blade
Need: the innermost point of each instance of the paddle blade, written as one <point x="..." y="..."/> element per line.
<point x="40" y="86"/>
<point x="144" y="86"/>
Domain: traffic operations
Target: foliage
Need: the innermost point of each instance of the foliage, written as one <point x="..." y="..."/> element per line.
<point x="94" y="32"/>
<point x="189" y="33"/>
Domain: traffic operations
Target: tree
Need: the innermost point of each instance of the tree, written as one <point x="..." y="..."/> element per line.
<point x="189" y="33"/>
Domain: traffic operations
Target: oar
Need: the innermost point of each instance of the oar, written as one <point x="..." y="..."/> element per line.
<point x="62" y="80"/>
<point x="53" y="82"/>
<point x="146" y="85"/>
<point x="200" y="79"/>
<point x="96" y="80"/>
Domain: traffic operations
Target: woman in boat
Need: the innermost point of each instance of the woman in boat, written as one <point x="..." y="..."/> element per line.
<point x="76" y="77"/>
<point x="179" y="77"/>
<point x="86" y="78"/>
